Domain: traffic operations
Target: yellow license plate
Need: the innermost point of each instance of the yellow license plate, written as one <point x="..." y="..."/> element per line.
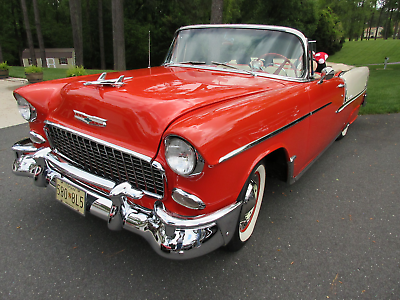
<point x="71" y="196"/>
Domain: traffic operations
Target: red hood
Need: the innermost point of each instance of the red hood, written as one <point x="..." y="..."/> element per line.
<point x="138" y="112"/>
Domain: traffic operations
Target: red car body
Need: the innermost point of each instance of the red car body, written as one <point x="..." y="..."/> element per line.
<point x="233" y="120"/>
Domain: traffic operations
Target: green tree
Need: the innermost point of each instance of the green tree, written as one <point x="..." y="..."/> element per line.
<point x="329" y="32"/>
<point x="302" y="15"/>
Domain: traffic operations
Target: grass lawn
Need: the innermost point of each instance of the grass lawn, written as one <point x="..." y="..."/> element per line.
<point x="383" y="90"/>
<point x="48" y="73"/>
<point x="383" y="85"/>
<point x="368" y="52"/>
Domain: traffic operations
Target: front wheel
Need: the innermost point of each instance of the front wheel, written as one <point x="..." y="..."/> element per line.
<point x="343" y="133"/>
<point x="251" y="197"/>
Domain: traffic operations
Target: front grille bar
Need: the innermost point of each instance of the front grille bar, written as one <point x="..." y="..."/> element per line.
<point x="106" y="160"/>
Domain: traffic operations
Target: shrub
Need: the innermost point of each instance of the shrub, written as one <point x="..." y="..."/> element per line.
<point x="4" y="66"/>
<point x="76" y="71"/>
<point x="33" y="69"/>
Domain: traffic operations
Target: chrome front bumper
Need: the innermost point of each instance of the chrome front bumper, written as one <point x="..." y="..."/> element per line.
<point x="170" y="235"/>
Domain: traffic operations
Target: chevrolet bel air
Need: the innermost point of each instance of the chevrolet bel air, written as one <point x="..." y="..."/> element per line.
<point x="180" y="153"/>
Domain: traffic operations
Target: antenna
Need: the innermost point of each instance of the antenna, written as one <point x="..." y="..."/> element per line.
<point x="149" y="51"/>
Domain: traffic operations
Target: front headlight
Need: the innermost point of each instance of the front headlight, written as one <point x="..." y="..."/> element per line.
<point x="27" y="111"/>
<point x="181" y="157"/>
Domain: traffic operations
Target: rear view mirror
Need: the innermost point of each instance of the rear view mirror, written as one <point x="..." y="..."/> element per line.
<point x="326" y="73"/>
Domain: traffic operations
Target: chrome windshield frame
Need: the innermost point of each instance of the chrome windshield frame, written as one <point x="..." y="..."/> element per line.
<point x="304" y="42"/>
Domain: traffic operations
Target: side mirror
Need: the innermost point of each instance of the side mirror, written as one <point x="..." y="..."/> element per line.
<point x="326" y="73"/>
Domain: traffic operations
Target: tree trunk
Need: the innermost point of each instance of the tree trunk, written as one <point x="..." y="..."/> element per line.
<point x="217" y="7"/>
<point x="365" y="20"/>
<point x="370" y="25"/>
<point x="101" y="35"/>
<point x="18" y="31"/>
<point x="39" y="34"/>
<point x="28" y="33"/>
<point x="117" y="7"/>
<point x="377" y="25"/>
<point x="397" y="23"/>
<point x="89" y="31"/>
<point x="388" y="24"/>
<point x="1" y="55"/>
<point x="75" y="8"/>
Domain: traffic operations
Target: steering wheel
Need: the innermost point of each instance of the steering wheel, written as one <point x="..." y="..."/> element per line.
<point x="285" y="60"/>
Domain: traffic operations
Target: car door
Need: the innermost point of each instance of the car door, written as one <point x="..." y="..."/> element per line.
<point x="325" y="98"/>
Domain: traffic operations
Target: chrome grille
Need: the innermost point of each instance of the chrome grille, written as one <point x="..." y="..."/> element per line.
<point x="105" y="161"/>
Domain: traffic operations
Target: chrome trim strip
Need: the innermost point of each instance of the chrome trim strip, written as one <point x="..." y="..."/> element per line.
<point x="350" y="101"/>
<point x="269" y="135"/>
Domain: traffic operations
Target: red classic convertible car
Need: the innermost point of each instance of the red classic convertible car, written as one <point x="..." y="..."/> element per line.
<point x="180" y="153"/>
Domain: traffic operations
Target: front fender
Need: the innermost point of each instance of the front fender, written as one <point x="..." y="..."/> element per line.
<point x="221" y="133"/>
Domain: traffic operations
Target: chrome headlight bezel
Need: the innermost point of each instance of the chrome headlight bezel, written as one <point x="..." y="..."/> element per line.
<point x="185" y="154"/>
<point x="27" y="110"/>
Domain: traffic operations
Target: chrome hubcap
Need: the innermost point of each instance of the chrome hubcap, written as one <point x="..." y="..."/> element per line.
<point x="249" y="202"/>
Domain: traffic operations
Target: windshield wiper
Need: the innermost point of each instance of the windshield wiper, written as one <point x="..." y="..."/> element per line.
<point x="192" y="62"/>
<point x="232" y="67"/>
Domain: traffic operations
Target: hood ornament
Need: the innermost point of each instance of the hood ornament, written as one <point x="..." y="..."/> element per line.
<point x="90" y="120"/>
<point x="117" y="82"/>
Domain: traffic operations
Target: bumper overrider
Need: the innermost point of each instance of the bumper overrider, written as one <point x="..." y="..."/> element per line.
<point x="170" y="235"/>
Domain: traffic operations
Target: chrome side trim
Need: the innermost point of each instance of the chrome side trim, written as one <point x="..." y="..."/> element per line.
<point x="269" y="135"/>
<point x="350" y="101"/>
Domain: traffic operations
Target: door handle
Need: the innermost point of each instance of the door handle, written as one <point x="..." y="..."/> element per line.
<point x="341" y="85"/>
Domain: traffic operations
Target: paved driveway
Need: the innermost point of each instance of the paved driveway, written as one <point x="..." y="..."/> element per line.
<point x="334" y="234"/>
<point x="9" y="114"/>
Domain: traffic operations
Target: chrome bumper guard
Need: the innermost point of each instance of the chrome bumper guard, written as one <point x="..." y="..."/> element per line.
<point x="170" y="235"/>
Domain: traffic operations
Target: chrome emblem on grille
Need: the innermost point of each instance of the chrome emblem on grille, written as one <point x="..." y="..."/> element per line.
<point x="90" y="120"/>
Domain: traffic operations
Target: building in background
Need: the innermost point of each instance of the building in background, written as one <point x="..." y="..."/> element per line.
<point x="55" y="57"/>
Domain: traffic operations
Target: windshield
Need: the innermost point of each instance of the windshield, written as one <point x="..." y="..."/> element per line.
<point x="251" y="50"/>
